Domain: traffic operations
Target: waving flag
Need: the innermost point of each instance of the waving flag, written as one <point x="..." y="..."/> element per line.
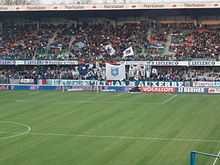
<point x="115" y="72"/>
<point x="110" y="50"/>
<point x="128" y="52"/>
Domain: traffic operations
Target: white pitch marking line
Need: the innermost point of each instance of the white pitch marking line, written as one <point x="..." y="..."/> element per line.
<point x="216" y="159"/>
<point x="27" y="131"/>
<point x="129" y="137"/>
<point x="105" y="102"/>
<point x="20" y="100"/>
<point x="169" y="99"/>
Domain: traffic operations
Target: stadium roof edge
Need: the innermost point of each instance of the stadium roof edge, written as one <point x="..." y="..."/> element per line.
<point x="107" y="7"/>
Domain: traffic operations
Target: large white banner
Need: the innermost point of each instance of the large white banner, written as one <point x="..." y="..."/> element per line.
<point x="115" y="72"/>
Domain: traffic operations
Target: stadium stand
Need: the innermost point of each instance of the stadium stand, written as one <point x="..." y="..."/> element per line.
<point x="149" y="41"/>
<point x="93" y="42"/>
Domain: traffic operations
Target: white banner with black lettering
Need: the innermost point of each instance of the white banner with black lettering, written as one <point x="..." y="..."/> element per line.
<point x="115" y="72"/>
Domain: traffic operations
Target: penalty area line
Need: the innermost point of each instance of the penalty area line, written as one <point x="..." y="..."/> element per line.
<point x="143" y="138"/>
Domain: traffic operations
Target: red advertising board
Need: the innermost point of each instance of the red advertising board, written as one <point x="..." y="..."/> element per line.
<point x="158" y="90"/>
<point x="214" y="90"/>
<point x="3" y="87"/>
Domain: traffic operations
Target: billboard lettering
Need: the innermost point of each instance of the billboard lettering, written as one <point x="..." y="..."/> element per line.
<point x="191" y="90"/>
<point x="158" y="89"/>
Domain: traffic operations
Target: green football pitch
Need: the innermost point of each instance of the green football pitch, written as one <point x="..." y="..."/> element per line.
<point x="73" y="128"/>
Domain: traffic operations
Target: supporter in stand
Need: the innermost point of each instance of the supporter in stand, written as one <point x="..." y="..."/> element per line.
<point x="3" y="78"/>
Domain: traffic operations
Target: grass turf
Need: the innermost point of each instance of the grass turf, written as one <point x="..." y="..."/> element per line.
<point x="106" y="128"/>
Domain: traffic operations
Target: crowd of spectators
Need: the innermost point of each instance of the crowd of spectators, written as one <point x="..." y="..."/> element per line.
<point x="97" y="72"/>
<point x="107" y="41"/>
<point x="30" y="41"/>
<point x="83" y="72"/>
<point x="186" y="74"/>
<point x="196" y="42"/>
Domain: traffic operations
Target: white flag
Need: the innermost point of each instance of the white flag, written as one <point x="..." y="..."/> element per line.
<point x="154" y="71"/>
<point x="128" y="52"/>
<point x="115" y="72"/>
<point x="110" y="50"/>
